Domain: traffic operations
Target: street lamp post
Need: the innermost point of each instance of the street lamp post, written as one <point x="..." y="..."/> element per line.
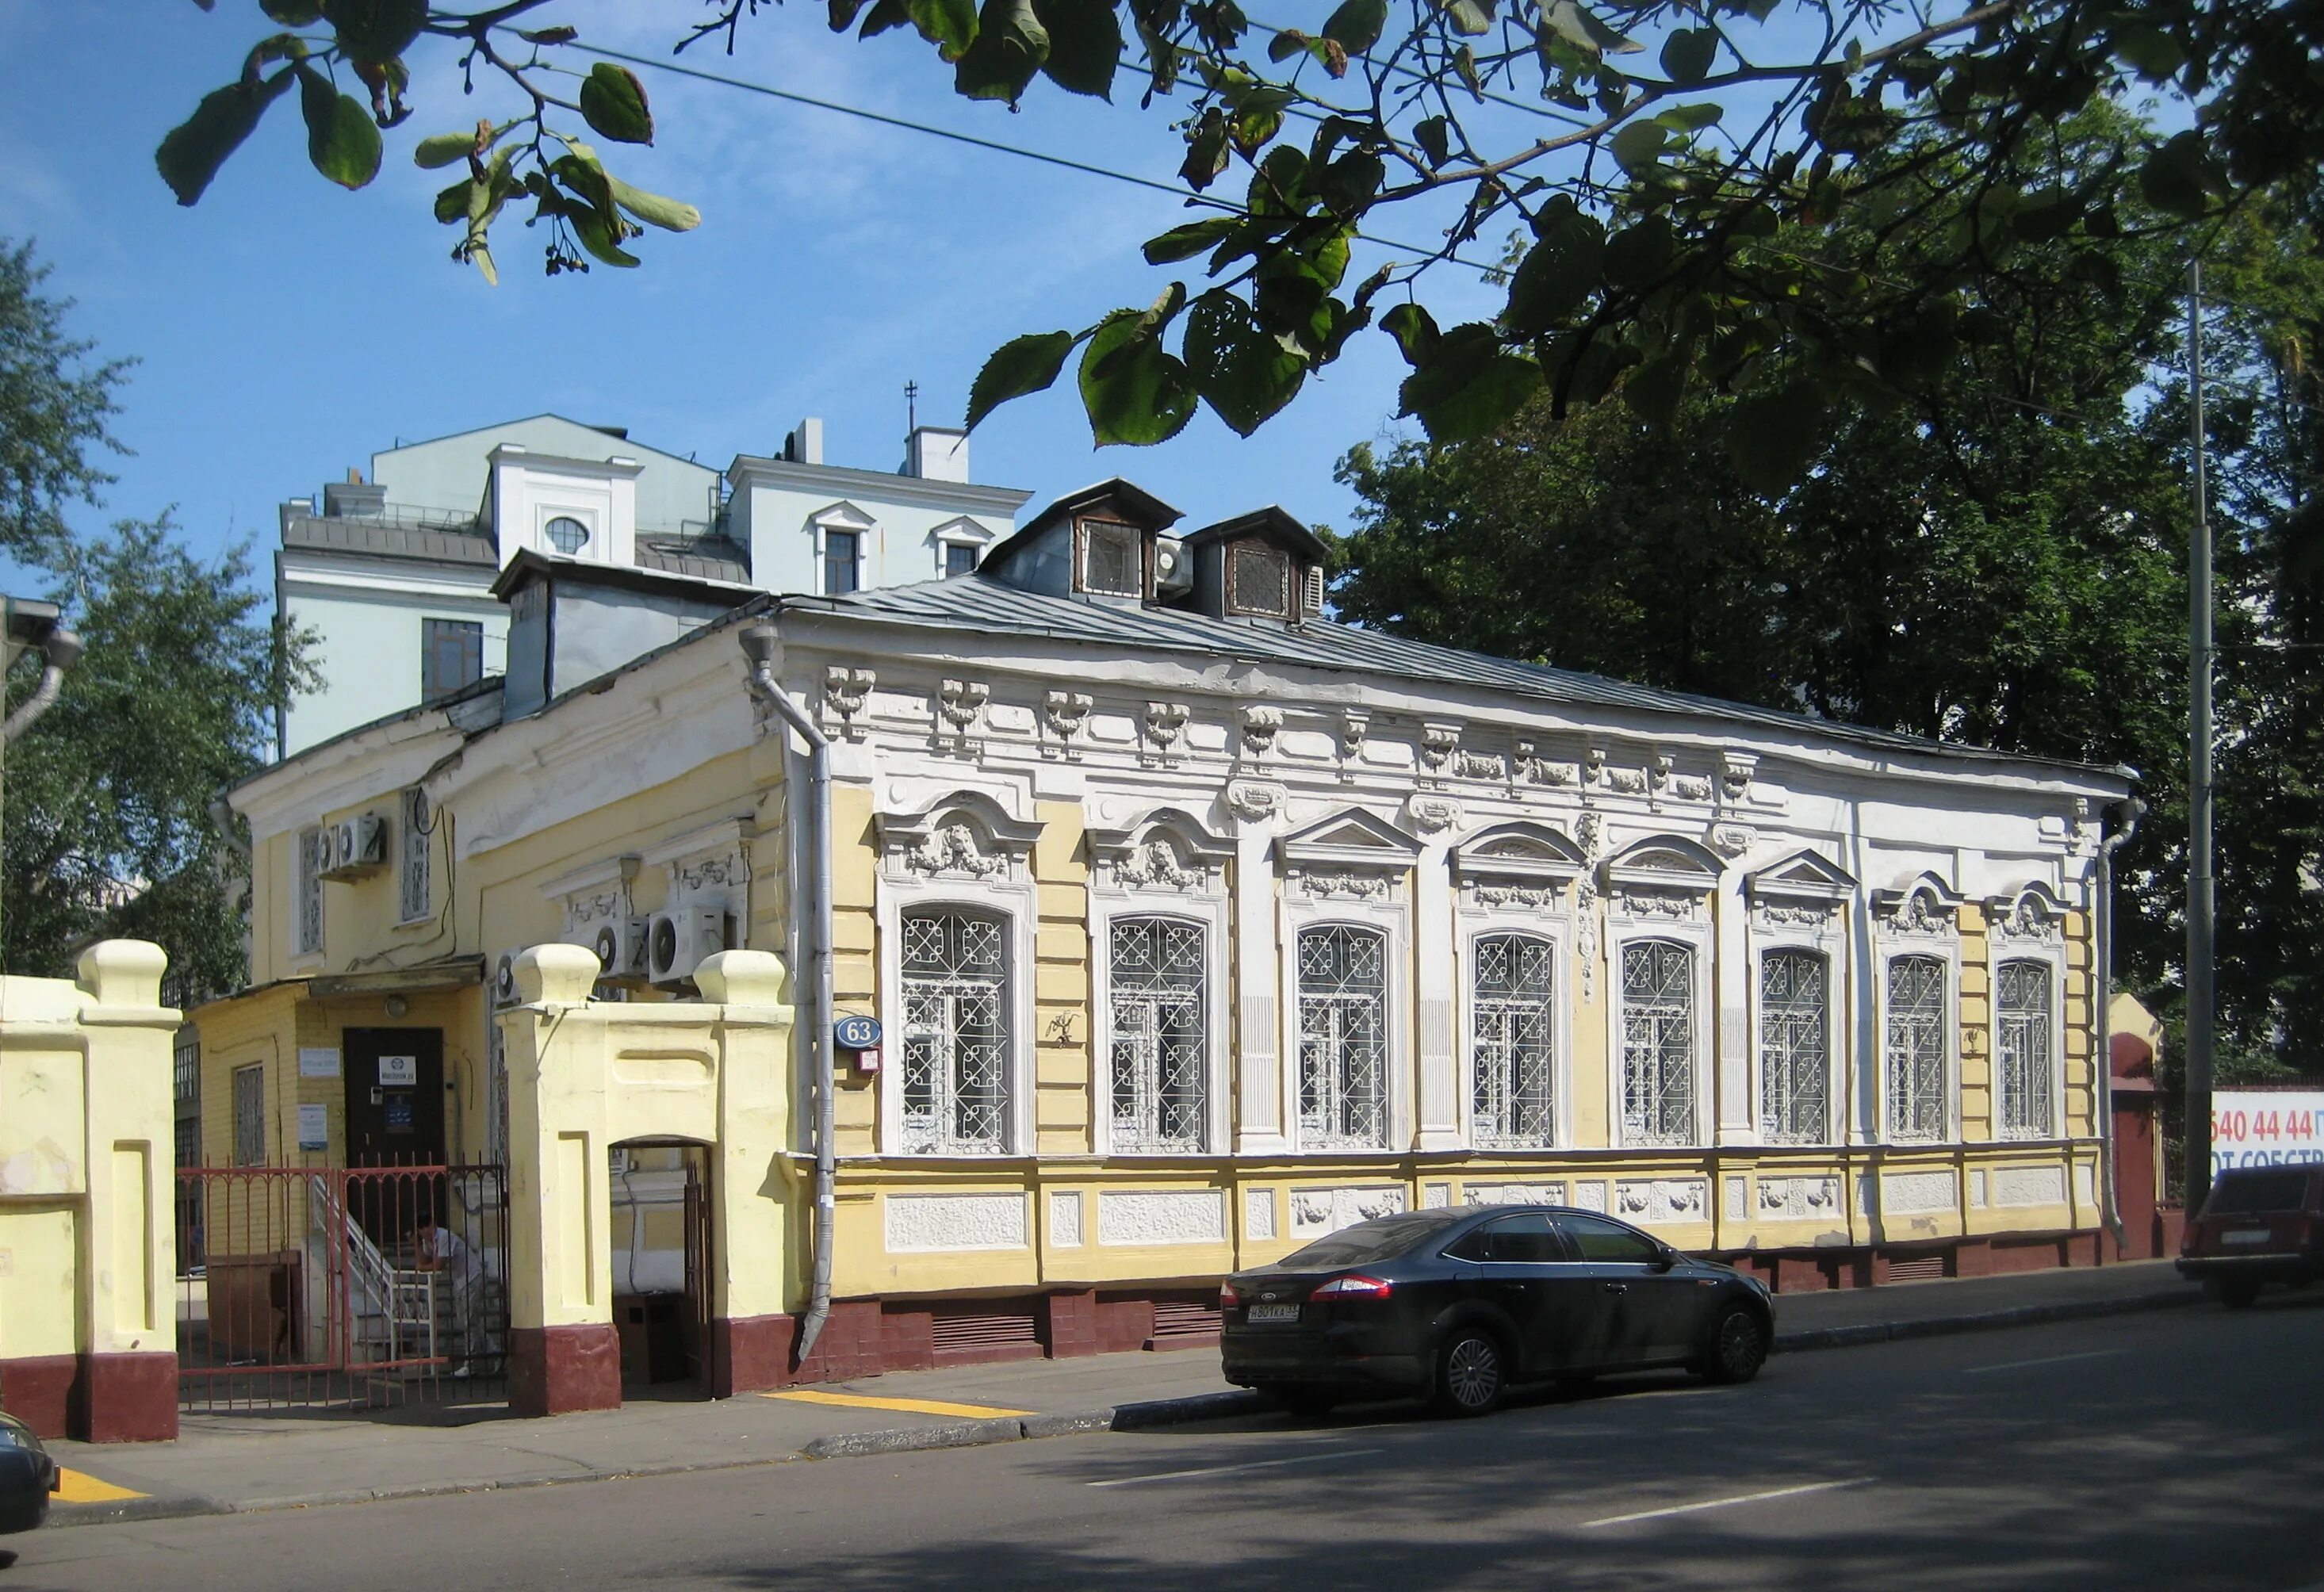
<point x="2199" y="904"/>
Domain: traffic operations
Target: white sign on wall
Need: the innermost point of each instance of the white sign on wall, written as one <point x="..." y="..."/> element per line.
<point x="399" y="1071"/>
<point x="314" y="1127"/>
<point x="318" y="1061"/>
<point x="2266" y="1127"/>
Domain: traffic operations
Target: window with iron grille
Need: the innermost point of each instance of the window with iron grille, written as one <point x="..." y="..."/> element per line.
<point x="956" y="1082"/>
<point x="188" y="1141"/>
<point x="307" y="928"/>
<point x="412" y="855"/>
<point x="1657" y="1043"/>
<point x="842" y="567"/>
<point x="185" y="1066"/>
<point x="1513" y="992"/>
<point x="1160" y="1033"/>
<point x="1795" y="1047"/>
<point x="451" y="656"/>
<point x="1343" y="1038"/>
<point x="2022" y="1012"/>
<point x="1914" y="1051"/>
<point x="1259" y="580"/>
<point x="1113" y="559"/>
<point x="250" y="1116"/>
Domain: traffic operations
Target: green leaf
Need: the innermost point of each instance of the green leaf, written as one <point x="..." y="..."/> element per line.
<point x="1771" y="436"/>
<point x="599" y="234"/>
<point x="1024" y="364"/>
<point x="670" y="214"/>
<point x="1356" y="26"/>
<point x="1639" y="252"/>
<point x="1571" y="22"/>
<point x="613" y="104"/>
<point x="293" y="13"/>
<point x="452" y="203"/>
<point x="1470" y="387"/>
<point x="1349" y="183"/>
<point x="2176" y="179"/>
<point x="1243" y="372"/>
<point x="1010" y="47"/>
<point x="192" y="151"/>
<point x="1471" y="17"/>
<point x="1653" y="390"/>
<point x="375" y="30"/>
<point x="1133" y="389"/>
<point x="1690" y="119"/>
<point x="2153" y="54"/>
<point x="1415" y="331"/>
<point x="1435" y="136"/>
<point x="842" y="14"/>
<point x="1084" y="45"/>
<point x="948" y="24"/>
<point x="1206" y="151"/>
<point x="1285" y="44"/>
<point x="441" y="149"/>
<point x="1559" y="271"/>
<point x="1688" y="52"/>
<point x="1637" y="146"/>
<point x="342" y="141"/>
<point x="1181" y="243"/>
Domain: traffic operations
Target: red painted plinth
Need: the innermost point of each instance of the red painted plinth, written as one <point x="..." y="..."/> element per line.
<point x="129" y="1398"/>
<point x="558" y="1370"/>
<point x="749" y="1354"/>
<point x="38" y="1390"/>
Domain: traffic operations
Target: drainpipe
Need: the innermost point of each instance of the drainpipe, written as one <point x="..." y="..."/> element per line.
<point x="2128" y="813"/>
<point x="59" y="650"/>
<point x="762" y="644"/>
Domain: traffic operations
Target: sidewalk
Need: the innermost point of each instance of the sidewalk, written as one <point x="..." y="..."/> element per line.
<point x="228" y="1463"/>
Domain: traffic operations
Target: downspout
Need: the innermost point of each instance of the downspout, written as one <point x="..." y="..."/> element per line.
<point x="2110" y="1209"/>
<point x="59" y="653"/>
<point x="762" y="644"/>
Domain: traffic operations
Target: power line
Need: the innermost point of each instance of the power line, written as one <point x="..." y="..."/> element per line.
<point x="994" y="145"/>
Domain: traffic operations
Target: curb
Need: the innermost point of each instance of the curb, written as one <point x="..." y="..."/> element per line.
<point x="1143" y="1415"/>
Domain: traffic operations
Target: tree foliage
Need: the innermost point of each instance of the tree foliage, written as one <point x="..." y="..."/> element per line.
<point x="1695" y="181"/>
<point x="105" y="828"/>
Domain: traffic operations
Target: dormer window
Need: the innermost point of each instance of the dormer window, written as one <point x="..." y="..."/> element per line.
<point x="1259" y="581"/>
<point x="567" y="535"/>
<point x="1113" y="559"/>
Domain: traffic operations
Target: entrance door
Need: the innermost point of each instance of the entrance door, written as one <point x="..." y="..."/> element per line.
<point x="396" y="1097"/>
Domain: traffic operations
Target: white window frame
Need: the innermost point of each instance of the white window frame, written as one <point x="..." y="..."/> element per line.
<point x="964" y="850"/>
<point x="1186" y="881"/>
<point x="958" y="533"/>
<point x="1517" y="879"/>
<point x="1797" y="905"/>
<point x="414" y="858"/>
<point x="1660" y="888"/>
<point x="2028" y="926"/>
<point x="307" y="883"/>
<point x="845" y="516"/>
<point x="1353" y="870"/>
<point x="1919" y="918"/>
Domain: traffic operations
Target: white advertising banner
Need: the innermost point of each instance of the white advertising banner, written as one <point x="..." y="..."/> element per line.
<point x="2266" y="1127"/>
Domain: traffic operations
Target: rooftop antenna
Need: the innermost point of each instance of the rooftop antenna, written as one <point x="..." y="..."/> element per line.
<point x="911" y="407"/>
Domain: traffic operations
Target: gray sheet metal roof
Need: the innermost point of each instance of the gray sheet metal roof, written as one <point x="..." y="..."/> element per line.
<point x="979" y="603"/>
<point x="391" y="538"/>
<point x="707" y="558"/>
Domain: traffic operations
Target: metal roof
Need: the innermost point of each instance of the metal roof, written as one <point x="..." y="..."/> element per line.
<point x="392" y="537"/>
<point x="707" y="557"/>
<point x="979" y="603"/>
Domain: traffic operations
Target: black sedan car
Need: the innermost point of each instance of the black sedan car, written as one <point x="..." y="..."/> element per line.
<point x="27" y="1477"/>
<point x="1457" y="1305"/>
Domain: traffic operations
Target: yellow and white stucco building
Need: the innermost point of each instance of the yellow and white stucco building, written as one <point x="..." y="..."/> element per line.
<point x="1194" y="925"/>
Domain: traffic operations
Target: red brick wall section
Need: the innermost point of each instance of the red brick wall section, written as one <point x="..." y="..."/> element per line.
<point x="1124" y="1321"/>
<point x="40" y="1391"/>
<point x="848" y="1346"/>
<point x="1072" y="1326"/>
<point x="558" y="1370"/>
<point x="750" y="1354"/>
<point x="129" y="1398"/>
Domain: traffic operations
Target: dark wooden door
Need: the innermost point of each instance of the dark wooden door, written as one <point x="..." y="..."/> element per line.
<point x="394" y="1097"/>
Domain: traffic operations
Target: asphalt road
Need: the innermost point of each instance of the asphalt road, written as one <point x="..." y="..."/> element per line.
<point x="2182" y="1449"/>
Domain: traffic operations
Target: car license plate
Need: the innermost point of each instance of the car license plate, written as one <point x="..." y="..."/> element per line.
<point x="2246" y="1235"/>
<point x="1260" y="1314"/>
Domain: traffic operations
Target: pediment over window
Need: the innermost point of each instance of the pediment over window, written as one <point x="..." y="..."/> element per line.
<point x="1803" y="876"/>
<point x="1923" y="905"/>
<point x="841" y="515"/>
<point x="2034" y="915"/>
<point x="1351" y="837"/>
<point x="1665" y="861"/>
<point x="1165" y="849"/>
<point x="1522" y="849"/>
<point x="965" y="834"/>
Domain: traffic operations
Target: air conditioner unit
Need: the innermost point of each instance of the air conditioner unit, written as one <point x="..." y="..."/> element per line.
<point x="620" y="943"/>
<point x="677" y="941"/>
<point x="354" y="846"/>
<point x="504" y="991"/>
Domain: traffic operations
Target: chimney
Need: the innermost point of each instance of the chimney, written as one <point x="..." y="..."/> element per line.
<point x="937" y="453"/>
<point x="804" y="445"/>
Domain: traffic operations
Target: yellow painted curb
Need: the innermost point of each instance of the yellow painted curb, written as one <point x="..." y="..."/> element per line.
<point x="859" y="1401"/>
<point x="79" y="1486"/>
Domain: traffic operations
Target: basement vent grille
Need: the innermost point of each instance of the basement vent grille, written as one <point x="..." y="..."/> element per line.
<point x="1185" y="1318"/>
<point x="955" y="1331"/>
<point x="1920" y="1268"/>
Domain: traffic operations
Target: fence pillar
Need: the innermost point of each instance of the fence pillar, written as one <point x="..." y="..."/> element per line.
<point x="749" y="1334"/>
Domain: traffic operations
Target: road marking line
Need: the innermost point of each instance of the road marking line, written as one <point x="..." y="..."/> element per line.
<point x="2054" y="1359"/>
<point x="864" y="1401"/>
<point x="1132" y="1481"/>
<point x="1813" y="1486"/>
<point x="79" y="1486"/>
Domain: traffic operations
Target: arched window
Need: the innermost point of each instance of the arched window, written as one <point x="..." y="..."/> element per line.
<point x="1658" y="1042"/>
<point x="1342" y="1037"/>
<point x="1915" y="1050"/>
<point x="567" y="535"/>
<point x="2022" y="1043"/>
<point x="955" y="1072"/>
<point x="1160" y="1033"/>
<point x="1513" y="985"/>
<point x="1795" y="1047"/>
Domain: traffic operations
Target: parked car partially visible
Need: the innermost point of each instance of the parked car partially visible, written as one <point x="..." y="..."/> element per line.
<point x="2259" y="1225"/>
<point x="1457" y="1306"/>
<point x="28" y="1475"/>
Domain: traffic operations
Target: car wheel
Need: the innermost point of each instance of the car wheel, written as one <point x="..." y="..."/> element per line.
<point x="2237" y="1293"/>
<point x="1738" y="1347"/>
<point x="1472" y="1373"/>
<point x="1301" y="1398"/>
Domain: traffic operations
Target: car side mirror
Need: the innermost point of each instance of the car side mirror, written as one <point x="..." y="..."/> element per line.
<point x="1665" y="1260"/>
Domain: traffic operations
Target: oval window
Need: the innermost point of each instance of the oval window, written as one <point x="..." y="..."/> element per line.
<point x="566" y="534"/>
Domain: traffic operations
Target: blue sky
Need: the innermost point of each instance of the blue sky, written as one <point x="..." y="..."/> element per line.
<point x="286" y="329"/>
